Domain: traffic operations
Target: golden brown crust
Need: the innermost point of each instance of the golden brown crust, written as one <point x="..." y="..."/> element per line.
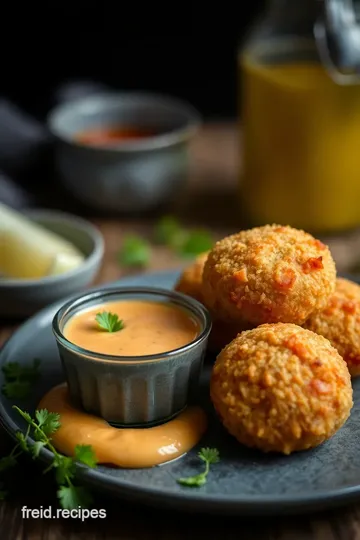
<point x="190" y="281"/>
<point x="268" y="274"/>
<point x="281" y="388"/>
<point x="339" y="322"/>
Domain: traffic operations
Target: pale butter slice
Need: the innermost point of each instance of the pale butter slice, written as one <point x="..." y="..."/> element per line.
<point x="30" y="251"/>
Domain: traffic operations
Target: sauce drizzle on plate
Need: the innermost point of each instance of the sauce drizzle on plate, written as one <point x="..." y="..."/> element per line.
<point x="123" y="447"/>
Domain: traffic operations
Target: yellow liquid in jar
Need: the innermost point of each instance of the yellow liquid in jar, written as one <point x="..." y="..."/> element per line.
<point x="301" y="146"/>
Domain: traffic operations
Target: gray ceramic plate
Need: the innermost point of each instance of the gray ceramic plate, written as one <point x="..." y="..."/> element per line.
<point x="244" y="482"/>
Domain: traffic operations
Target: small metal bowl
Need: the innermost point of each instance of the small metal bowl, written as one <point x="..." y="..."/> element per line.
<point x="139" y="390"/>
<point x="126" y="176"/>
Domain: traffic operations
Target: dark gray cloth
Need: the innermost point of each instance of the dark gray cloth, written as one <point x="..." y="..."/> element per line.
<point x="12" y="194"/>
<point x="23" y="139"/>
<point x="25" y="146"/>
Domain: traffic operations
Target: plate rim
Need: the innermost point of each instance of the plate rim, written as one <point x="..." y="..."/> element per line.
<point x="202" y="501"/>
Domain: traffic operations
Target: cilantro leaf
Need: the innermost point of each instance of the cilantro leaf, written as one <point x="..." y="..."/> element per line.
<point x="48" y="422"/>
<point x="36" y="447"/>
<point x="167" y="230"/>
<point x="44" y="424"/>
<point x="19" y="379"/>
<point x="7" y="462"/>
<point x="209" y="456"/>
<point x="12" y="370"/>
<point x="16" y="389"/>
<point x="109" y="321"/>
<point x="65" y="468"/>
<point x="41" y="416"/>
<point x="86" y="455"/>
<point x="74" y="496"/>
<point x="135" y="251"/>
<point x="22" y="441"/>
<point x="195" y="243"/>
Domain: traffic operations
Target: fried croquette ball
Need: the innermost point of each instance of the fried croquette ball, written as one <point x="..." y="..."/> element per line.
<point x="268" y="274"/>
<point x="190" y="281"/>
<point x="281" y="388"/>
<point x="339" y="322"/>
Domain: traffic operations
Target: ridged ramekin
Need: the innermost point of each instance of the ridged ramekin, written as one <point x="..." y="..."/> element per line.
<point x="138" y="390"/>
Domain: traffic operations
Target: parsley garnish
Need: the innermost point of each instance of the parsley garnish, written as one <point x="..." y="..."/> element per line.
<point x="209" y="456"/>
<point x="168" y="231"/>
<point x="196" y="242"/>
<point x="45" y="424"/>
<point x="19" y="380"/>
<point x="187" y="243"/>
<point x="135" y="251"/>
<point x="109" y="321"/>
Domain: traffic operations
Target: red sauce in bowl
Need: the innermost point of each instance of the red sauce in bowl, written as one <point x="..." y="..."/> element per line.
<point x="104" y="136"/>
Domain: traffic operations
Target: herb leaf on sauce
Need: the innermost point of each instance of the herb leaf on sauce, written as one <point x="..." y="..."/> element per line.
<point x="135" y="251"/>
<point x="109" y="321"/>
<point x="45" y="424"/>
<point x="19" y="380"/>
<point x="209" y="456"/>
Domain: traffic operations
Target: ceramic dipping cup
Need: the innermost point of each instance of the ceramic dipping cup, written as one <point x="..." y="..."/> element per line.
<point x="134" y="391"/>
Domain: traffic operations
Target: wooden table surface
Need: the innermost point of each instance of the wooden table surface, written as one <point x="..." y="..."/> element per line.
<point x="208" y="200"/>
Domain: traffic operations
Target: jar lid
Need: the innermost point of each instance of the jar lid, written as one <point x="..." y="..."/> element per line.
<point x="337" y="35"/>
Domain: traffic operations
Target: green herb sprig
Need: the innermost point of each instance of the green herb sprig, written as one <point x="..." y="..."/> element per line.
<point x="187" y="243"/>
<point x="135" y="251"/>
<point x="109" y="321"/>
<point x="169" y="232"/>
<point x="210" y="456"/>
<point x="19" y="380"/>
<point x="45" y="424"/>
<point x="196" y="242"/>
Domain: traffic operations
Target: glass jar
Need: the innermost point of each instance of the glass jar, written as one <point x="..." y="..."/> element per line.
<point x="300" y="125"/>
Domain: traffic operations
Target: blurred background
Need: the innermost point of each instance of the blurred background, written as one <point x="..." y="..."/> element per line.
<point x="179" y="49"/>
<point x="292" y="159"/>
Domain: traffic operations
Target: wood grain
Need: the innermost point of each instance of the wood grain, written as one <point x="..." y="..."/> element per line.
<point x="207" y="200"/>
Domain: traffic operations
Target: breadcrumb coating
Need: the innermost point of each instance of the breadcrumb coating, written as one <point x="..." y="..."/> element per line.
<point x="190" y="281"/>
<point x="339" y="322"/>
<point x="281" y="388"/>
<point x="268" y="274"/>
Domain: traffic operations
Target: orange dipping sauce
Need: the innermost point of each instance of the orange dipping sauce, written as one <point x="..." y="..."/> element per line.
<point x="149" y="328"/>
<point x="103" y="136"/>
<point x="126" y="448"/>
